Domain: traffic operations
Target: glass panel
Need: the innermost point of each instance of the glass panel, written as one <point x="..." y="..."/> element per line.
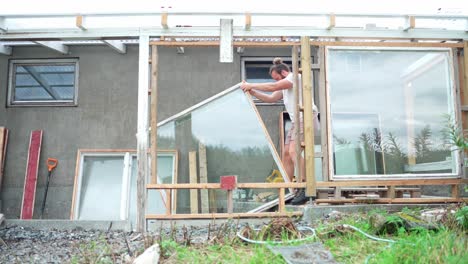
<point x="155" y="198"/>
<point x="44" y="82"/>
<point x="101" y="185"/>
<point x="388" y="111"/>
<point x="235" y="141"/>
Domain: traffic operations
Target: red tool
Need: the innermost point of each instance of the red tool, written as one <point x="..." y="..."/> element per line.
<point x="51" y="164"/>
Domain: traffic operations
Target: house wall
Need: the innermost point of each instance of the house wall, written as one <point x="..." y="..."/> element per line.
<point x="106" y="115"/>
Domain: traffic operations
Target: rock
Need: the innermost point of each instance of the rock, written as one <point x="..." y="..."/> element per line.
<point x="150" y="256"/>
<point x="376" y="221"/>
<point x="335" y="215"/>
<point x="435" y="216"/>
<point x="1" y="218"/>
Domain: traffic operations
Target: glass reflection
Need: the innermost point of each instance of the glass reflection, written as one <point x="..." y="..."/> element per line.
<point x="389" y="111"/>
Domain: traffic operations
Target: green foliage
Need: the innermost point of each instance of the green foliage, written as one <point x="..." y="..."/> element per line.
<point x="96" y="252"/>
<point x="461" y="217"/>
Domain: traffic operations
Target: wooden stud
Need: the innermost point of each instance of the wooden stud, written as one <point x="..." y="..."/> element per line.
<point x="79" y="23"/>
<point x="281" y="204"/>
<point x="391" y="192"/>
<point x="164" y="20"/>
<point x="142" y="131"/>
<point x="193" y="179"/>
<point x="154" y="114"/>
<point x="297" y="122"/>
<point x="307" y="95"/>
<point x="323" y="113"/>
<point x="169" y="202"/>
<point x="223" y="215"/>
<point x="203" y="168"/>
<point x="230" y="202"/>
<point x="455" y="191"/>
<point x="3" y="147"/>
<point x="248" y="21"/>
<point x="332" y="21"/>
<point x="465" y="73"/>
<point x="410" y="23"/>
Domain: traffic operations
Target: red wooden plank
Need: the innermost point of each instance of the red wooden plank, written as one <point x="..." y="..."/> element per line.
<point x="29" y="191"/>
<point x="3" y="146"/>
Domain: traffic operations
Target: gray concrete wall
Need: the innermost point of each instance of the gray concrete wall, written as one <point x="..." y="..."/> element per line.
<point x="106" y="114"/>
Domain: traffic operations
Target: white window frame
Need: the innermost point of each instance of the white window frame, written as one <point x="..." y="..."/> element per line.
<point x="52" y="62"/>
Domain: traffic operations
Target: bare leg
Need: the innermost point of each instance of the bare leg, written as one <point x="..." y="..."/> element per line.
<point x="292" y="155"/>
<point x="288" y="162"/>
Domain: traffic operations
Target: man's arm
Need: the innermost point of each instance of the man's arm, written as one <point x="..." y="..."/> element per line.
<point x="267" y="87"/>
<point x="267" y="98"/>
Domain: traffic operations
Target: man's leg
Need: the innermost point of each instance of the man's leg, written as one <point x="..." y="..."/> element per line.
<point x="288" y="163"/>
<point x="300" y="197"/>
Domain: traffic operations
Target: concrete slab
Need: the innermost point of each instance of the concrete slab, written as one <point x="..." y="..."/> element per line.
<point x="314" y="212"/>
<point x="304" y="254"/>
<point x="68" y="224"/>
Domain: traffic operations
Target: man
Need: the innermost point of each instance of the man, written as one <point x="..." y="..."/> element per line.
<point x="282" y="89"/>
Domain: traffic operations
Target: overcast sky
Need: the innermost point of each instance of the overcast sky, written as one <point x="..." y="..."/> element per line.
<point x="338" y="6"/>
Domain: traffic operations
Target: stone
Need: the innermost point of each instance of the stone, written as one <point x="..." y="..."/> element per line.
<point x="150" y="256"/>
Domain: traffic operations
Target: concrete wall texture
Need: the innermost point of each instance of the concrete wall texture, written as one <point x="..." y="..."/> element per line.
<point x="106" y="115"/>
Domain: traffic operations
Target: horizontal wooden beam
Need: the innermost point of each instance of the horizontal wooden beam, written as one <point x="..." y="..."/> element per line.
<point x="394" y="200"/>
<point x="349" y="183"/>
<point x="223" y="215"/>
<point x="277" y="44"/>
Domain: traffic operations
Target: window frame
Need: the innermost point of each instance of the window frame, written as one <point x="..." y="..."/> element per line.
<point x="454" y="107"/>
<point x="40" y="62"/>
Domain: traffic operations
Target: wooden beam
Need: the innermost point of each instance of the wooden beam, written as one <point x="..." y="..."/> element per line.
<point x="410" y="23"/>
<point x="164" y="20"/>
<point x="193" y="179"/>
<point x="142" y="131"/>
<point x="203" y="168"/>
<point x="223" y="215"/>
<point x="281" y="205"/>
<point x="455" y="191"/>
<point x="348" y="183"/>
<point x="248" y="21"/>
<point x="116" y="45"/>
<point x="54" y="45"/>
<point x="168" y="202"/>
<point x="226" y="52"/>
<point x="297" y="121"/>
<point x="3" y="147"/>
<point x="322" y="89"/>
<point x="332" y="21"/>
<point x="395" y="200"/>
<point x="154" y="114"/>
<point x="79" y="23"/>
<point x="279" y="44"/>
<point x="308" y="99"/>
<point x="465" y="73"/>
<point x="5" y="50"/>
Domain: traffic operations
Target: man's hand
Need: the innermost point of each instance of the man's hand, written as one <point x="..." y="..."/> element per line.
<point x="245" y="86"/>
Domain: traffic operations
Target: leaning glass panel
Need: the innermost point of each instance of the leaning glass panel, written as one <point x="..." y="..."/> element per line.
<point x="389" y="112"/>
<point x="236" y="143"/>
<point x="101" y="188"/>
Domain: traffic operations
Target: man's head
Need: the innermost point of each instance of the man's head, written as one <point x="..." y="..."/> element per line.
<point x="279" y="70"/>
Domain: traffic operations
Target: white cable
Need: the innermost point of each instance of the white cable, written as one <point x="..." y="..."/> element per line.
<point x="279" y="242"/>
<point x="367" y="235"/>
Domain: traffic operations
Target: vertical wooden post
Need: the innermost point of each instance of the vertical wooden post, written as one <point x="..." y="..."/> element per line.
<point x="455" y="191"/>
<point x="281" y="205"/>
<point x="205" y="206"/>
<point x="230" y="202"/>
<point x="297" y="122"/>
<point x="193" y="179"/>
<point x="391" y="192"/>
<point x="154" y="114"/>
<point x="168" y="201"/>
<point x="323" y="114"/>
<point x="307" y="93"/>
<point x="142" y="131"/>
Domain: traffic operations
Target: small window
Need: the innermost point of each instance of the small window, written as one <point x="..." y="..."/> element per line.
<point x="43" y="82"/>
<point x="257" y="70"/>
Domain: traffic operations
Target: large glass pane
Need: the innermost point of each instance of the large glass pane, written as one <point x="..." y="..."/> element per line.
<point x="236" y="144"/>
<point x="101" y="187"/>
<point x="389" y="111"/>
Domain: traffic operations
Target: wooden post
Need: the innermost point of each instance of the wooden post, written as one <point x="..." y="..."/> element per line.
<point x="391" y="192"/>
<point x="281" y="205"/>
<point x="308" y="98"/>
<point x="168" y="201"/>
<point x="323" y="114"/>
<point x="193" y="179"/>
<point x="205" y="206"/>
<point x="142" y="131"/>
<point x="154" y="114"/>
<point x="230" y="202"/>
<point x="455" y="191"/>
<point x="297" y="121"/>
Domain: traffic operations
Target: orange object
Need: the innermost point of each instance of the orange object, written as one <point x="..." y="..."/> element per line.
<point x="51" y="163"/>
